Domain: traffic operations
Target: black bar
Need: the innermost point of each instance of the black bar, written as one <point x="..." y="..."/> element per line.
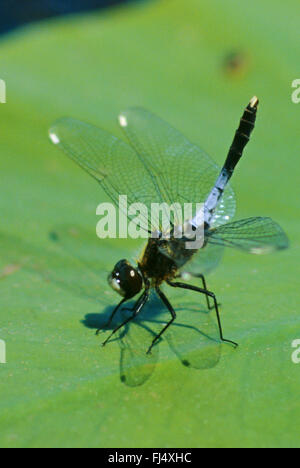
<point x="147" y="457"/>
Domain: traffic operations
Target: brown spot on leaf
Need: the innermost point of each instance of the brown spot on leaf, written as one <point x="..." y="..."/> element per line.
<point x="235" y="63"/>
<point x="9" y="270"/>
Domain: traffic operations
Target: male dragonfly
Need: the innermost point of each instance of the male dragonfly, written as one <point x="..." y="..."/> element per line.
<point x="160" y="165"/>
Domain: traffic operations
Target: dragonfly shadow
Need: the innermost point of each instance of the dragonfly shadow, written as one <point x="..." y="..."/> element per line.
<point x="193" y="340"/>
<point x="67" y="264"/>
<point x="136" y="367"/>
<point x="193" y="337"/>
<point x="99" y="321"/>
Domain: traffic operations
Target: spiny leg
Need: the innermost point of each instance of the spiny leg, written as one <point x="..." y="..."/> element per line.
<point x="138" y="307"/>
<point x="207" y="293"/>
<point x="107" y="325"/>
<point x="172" y="312"/>
<point x="202" y="277"/>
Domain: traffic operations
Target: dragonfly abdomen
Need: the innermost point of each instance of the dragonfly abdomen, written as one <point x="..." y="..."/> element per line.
<point x="241" y="138"/>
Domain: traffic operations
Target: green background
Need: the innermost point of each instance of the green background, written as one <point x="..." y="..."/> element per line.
<point x="59" y="387"/>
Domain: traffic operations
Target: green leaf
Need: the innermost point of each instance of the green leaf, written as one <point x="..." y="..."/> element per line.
<point x="196" y="64"/>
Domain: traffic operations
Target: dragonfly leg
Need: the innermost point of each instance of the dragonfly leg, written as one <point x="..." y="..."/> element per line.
<point x="202" y="277"/>
<point x="107" y="325"/>
<point x="131" y="309"/>
<point x="172" y="312"/>
<point x="209" y="294"/>
<point x="138" y="307"/>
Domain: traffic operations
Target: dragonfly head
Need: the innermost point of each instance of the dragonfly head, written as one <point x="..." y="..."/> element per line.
<point x="125" y="279"/>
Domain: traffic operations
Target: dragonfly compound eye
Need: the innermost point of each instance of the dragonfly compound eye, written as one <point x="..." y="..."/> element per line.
<point x="125" y="280"/>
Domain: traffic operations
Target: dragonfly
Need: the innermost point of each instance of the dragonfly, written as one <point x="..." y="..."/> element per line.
<point x="156" y="163"/>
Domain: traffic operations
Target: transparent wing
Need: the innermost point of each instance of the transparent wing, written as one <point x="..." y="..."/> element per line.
<point x="68" y="272"/>
<point x="112" y="162"/>
<point x="182" y="171"/>
<point x="76" y="264"/>
<point x="206" y="260"/>
<point x="195" y="261"/>
<point x="86" y="249"/>
<point x="253" y="235"/>
<point x="136" y="366"/>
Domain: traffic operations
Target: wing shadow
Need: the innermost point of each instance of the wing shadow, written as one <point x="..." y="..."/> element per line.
<point x="73" y="262"/>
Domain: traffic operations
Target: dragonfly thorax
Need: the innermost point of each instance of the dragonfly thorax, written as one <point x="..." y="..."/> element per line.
<point x="155" y="265"/>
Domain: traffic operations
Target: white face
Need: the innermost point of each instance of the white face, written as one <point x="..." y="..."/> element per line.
<point x="115" y="284"/>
